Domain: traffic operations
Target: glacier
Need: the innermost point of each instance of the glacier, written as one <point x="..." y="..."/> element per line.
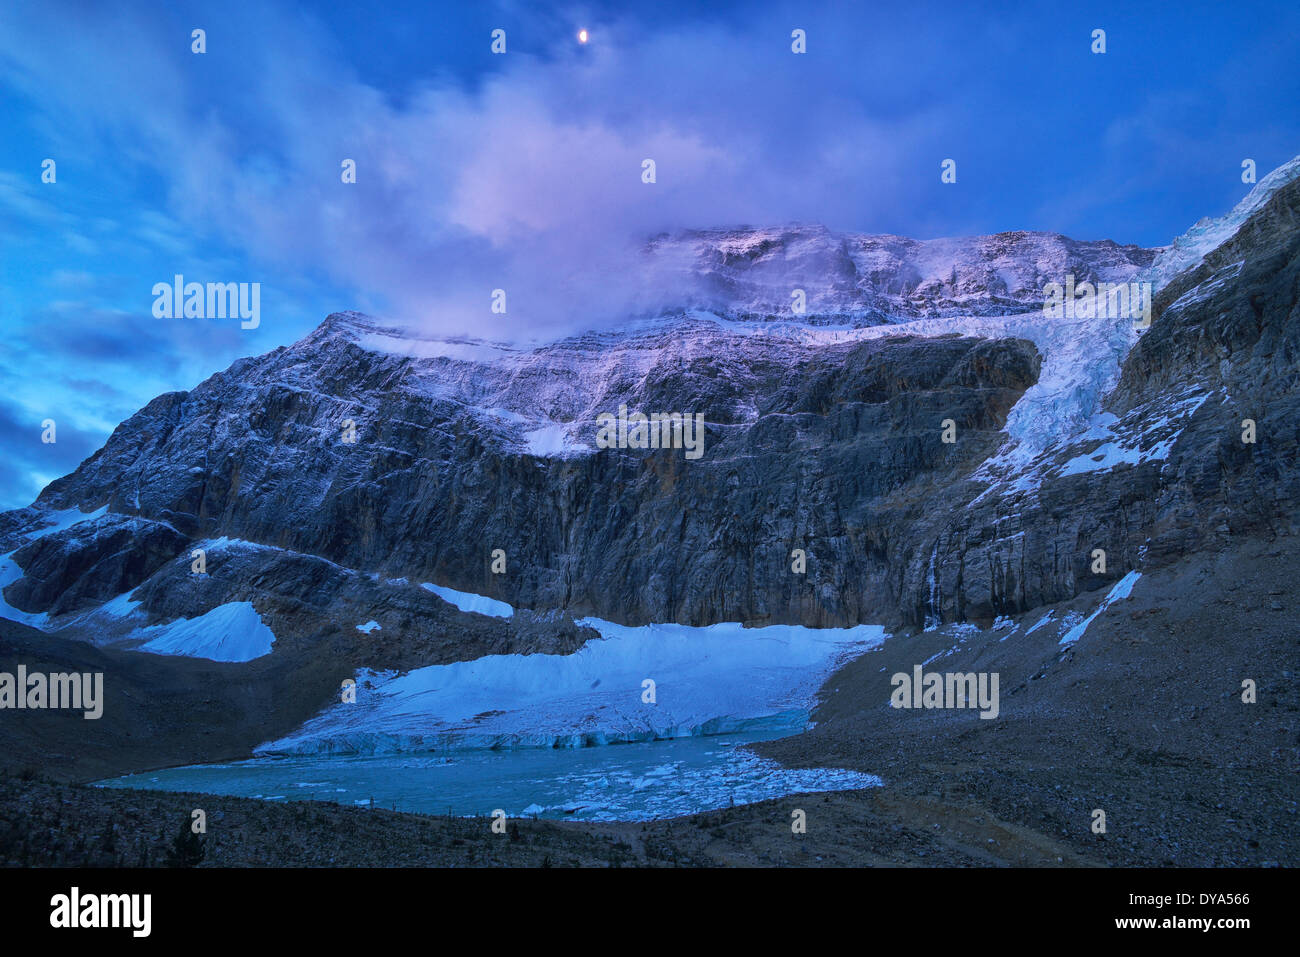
<point x="705" y="680"/>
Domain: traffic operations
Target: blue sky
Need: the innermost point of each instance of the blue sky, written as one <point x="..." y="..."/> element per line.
<point x="522" y="170"/>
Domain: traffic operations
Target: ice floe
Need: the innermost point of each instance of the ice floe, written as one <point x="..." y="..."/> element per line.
<point x="634" y="782"/>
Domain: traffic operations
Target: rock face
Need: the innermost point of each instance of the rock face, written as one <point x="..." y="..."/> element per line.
<point x="800" y="444"/>
<point x="325" y="480"/>
<point x="90" y="563"/>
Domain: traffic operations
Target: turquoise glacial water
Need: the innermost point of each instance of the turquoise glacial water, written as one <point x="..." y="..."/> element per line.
<point x="622" y="782"/>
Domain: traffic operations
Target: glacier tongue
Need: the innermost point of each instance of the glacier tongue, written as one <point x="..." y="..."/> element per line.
<point x="1082" y="357"/>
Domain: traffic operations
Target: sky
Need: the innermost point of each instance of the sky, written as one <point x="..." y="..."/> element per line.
<point x="522" y="170"/>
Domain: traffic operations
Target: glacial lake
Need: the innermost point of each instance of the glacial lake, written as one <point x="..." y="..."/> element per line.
<point x="620" y="782"/>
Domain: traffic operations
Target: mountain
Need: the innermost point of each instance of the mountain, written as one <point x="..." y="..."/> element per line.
<point x="823" y="432"/>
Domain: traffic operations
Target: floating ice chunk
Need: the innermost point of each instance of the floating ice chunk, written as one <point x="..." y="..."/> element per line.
<point x="369" y="626"/>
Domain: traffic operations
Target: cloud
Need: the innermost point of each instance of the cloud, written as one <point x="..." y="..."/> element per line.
<point x="28" y="463"/>
<point x="529" y="181"/>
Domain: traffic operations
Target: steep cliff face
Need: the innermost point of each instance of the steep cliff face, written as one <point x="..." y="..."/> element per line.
<point x="823" y="433"/>
<point x="800" y="443"/>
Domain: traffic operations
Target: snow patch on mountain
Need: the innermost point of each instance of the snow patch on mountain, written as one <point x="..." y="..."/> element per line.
<point x="1150" y="439"/>
<point x="230" y="632"/>
<point x="120" y="608"/>
<point x="456" y="349"/>
<point x="1122" y="589"/>
<point x="10" y="573"/>
<point x="553" y="441"/>
<point x="60" y="519"/>
<point x="1045" y="620"/>
<point x="467" y="601"/>
<point x="55" y="520"/>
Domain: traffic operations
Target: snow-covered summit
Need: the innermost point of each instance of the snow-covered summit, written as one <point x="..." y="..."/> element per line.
<point x="864" y="280"/>
<point x="856" y="287"/>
